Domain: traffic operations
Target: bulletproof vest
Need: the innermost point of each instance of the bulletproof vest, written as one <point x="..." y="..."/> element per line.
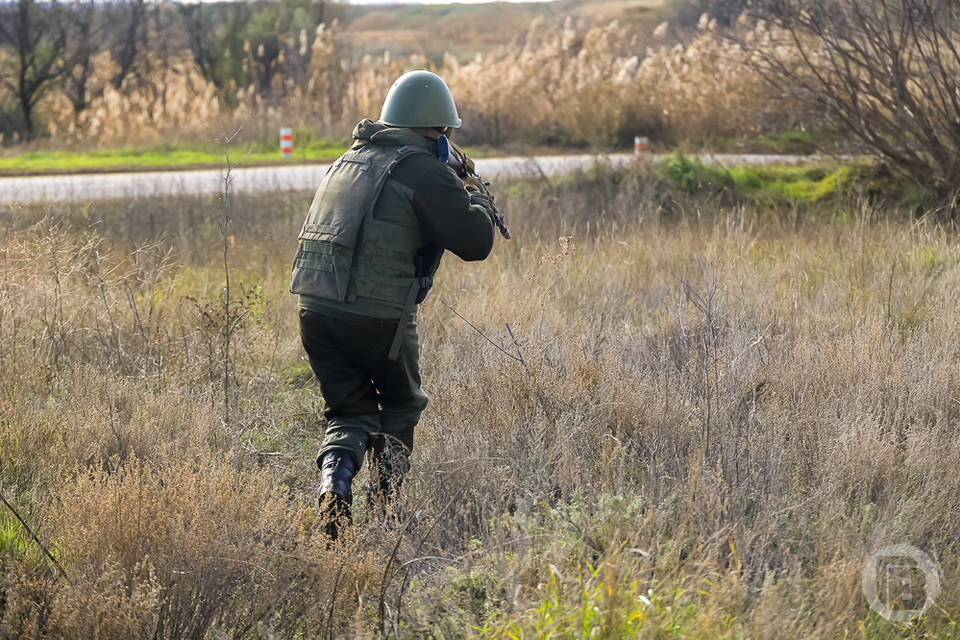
<point x="361" y="234"/>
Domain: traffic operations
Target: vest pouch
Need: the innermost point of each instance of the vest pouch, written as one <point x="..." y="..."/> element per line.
<point x="321" y="269"/>
<point x="386" y="268"/>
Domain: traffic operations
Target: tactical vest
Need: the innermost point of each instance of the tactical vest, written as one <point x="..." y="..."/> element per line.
<point x="346" y="250"/>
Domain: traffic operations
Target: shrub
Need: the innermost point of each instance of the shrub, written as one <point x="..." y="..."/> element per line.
<point x="691" y="175"/>
<point x="886" y="71"/>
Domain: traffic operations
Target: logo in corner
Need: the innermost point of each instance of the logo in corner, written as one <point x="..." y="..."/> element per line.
<point x="900" y="582"/>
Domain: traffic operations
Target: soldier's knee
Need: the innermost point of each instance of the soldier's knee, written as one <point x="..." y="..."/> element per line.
<point x="399" y="424"/>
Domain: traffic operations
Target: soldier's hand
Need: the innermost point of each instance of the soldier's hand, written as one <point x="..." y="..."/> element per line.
<point x="482" y="199"/>
<point x="485" y="202"/>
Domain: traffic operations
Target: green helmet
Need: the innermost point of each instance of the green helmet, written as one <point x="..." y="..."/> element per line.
<point x="420" y="99"/>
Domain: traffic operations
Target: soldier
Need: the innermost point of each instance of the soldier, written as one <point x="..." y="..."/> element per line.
<point x="379" y="223"/>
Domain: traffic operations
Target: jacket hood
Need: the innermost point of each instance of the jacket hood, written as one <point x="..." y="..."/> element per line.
<point x="369" y="132"/>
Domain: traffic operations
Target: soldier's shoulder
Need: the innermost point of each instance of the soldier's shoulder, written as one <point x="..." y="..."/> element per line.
<point x="423" y="167"/>
<point x="421" y="156"/>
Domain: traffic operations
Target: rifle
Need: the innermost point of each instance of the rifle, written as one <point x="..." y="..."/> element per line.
<point x="454" y="157"/>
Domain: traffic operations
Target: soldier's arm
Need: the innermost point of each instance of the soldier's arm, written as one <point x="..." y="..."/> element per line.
<point x="443" y="208"/>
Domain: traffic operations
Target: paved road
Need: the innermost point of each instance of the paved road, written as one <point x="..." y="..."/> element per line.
<point x="298" y="177"/>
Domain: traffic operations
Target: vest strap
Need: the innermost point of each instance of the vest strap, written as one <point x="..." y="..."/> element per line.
<point x="411" y="301"/>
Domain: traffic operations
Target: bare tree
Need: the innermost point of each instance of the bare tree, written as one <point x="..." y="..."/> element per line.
<point x="84" y="27"/>
<point x="36" y="34"/>
<point x="130" y="39"/>
<point x="886" y="70"/>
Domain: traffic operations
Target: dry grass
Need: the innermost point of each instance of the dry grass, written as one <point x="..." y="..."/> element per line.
<point x="722" y="410"/>
<point x="573" y="83"/>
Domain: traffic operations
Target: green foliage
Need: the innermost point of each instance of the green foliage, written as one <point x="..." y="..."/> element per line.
<point x="690" y="175"/>
<point x="264" y="28"/>
<point x="303" y="137"/>
<point x="589" y="608"/>
<point x="225" y="37"/>
<point x="16" y="543"/>
<point x="769" y="184"/>
<point x="12" y="541"/>
<point x="923" y="258"/>
<point x="811" y="183"/>
<point x="478" y="594"/>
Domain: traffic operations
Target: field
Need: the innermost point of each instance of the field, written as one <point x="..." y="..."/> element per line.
<point x="682" y="402"/>
<point x="715" y="408"/>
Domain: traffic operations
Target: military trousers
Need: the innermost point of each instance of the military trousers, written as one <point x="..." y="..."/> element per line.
<point x="371" y="401"/>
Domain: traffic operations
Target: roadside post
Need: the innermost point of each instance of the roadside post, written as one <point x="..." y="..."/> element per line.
<point x="640" y="148"/>
<point x="286" y="142"/>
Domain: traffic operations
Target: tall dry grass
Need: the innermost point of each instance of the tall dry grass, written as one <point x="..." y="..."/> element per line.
<point x="574" y="83"/>
<point x="722" y="409"/>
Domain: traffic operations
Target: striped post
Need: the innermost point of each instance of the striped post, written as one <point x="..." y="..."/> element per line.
<point x="640" y="147"/>
<point x="286" y="142"/>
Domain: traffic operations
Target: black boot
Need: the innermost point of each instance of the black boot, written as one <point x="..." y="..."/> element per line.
<point x="336" y="473"/>
<point x="389" y="463"/>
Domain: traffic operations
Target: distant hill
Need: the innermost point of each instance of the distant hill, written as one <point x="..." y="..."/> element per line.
<point x="468" y="29"/>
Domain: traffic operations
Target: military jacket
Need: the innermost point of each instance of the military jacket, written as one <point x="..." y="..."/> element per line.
<point x="373" y="234"/>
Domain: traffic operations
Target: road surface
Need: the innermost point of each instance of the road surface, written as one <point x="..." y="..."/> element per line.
<point x="84" y="187"/>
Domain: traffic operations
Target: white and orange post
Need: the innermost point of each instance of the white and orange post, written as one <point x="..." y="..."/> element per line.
<point x="640" y="148"/>
<point x="286" y="142"/>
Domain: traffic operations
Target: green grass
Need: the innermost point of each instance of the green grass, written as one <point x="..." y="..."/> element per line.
<point x="797" y="184"/>
<point x="807" y="183"/>
<point x="15" y="543"/>
<point x="178" y="155"/>
<point x="769" y="184"/>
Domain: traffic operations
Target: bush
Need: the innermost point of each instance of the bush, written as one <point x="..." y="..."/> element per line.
<point x="889" y="74"/>
<point x="690" y="175"/>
